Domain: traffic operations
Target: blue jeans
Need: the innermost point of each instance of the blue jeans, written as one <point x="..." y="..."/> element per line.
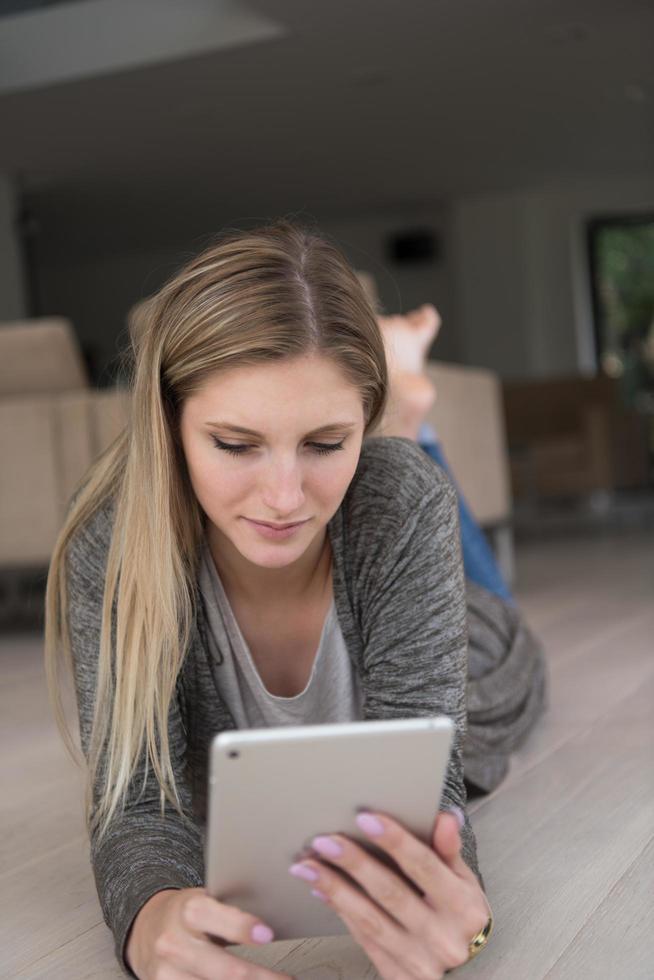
<point x="478" y="559"/>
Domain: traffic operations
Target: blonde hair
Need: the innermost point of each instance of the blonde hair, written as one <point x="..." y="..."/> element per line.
<point x="254" y="296"/>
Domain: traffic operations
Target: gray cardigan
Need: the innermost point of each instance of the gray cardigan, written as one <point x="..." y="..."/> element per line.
<point x="401" y="604"/>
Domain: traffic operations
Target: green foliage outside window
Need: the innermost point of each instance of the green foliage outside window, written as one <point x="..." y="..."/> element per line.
<point x="623" y="270"/>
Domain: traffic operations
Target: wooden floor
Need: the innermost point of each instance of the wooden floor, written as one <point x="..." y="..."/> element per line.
<point x="566" y="844"/>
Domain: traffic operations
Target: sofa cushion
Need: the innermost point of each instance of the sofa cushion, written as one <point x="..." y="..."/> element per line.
<point x="30" y="503"/>
<point x="468" y="419"/>
<point x="40" y="357"/>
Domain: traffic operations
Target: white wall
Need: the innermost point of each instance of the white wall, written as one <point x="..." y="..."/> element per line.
<point x="521" y="276"/>
<point x="490" y="281"/>
<point x="403" y="286"/>
<point x="96" y="286"/>
<point x="511" y="282"/>
<point x="12" y="296"/>
<point x="96" y="292"/>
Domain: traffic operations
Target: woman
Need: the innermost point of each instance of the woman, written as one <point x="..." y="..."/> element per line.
<point x="185" y="605"/>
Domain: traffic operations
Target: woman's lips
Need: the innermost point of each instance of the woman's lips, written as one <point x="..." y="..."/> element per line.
<point x="275" y="533"/>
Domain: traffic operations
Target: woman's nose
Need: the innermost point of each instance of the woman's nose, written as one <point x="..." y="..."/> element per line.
<point x="282" y="493"/>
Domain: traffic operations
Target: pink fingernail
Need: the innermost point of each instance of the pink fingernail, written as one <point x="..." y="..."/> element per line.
<point x="262" y="934"/>
<point x="318" y="894"/>
<point x="458" y="813"/>
<point x="304" y="872"/>
<point x="369" y="825"/>
<point x="327" y="847"/>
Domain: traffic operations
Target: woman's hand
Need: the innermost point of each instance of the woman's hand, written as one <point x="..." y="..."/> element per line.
<point x="406" y="936"/>
<point x="175" y="935"/>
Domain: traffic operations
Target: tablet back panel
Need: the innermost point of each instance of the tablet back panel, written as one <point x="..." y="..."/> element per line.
<point x="273" y="790"/>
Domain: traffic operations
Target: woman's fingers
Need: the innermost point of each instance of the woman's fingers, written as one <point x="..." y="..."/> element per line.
<point x="413" y="935"/>
<point x="387" y="888"/>
<point x="171" y="939"/>
<point x="422" y="934"/>
<point x="204" y="914"/>
<point x="450" y="888"/>
<point x="415" y="948"/>
<point x="183" y="944"/>
<point x="447" y="842"/>
<point x="386" y="965"/>
<point x="421" y="951"/>
<point x="417" y="860"/>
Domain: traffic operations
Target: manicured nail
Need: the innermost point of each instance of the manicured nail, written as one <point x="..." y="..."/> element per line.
<point x="318" y="894"/>
<point x="369" y="825"/>
<point x="458" y="813"/>
<point x="262" y="934"/>
<point x="304" y="872"/>
<point x="327" y="847"/>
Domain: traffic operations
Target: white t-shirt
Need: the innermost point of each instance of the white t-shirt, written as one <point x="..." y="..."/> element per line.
<point x="332" y="693"/>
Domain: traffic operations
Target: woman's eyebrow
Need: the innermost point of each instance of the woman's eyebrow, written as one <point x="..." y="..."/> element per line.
<point x="241" y="430"/>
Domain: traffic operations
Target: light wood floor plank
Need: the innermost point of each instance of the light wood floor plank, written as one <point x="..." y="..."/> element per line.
<point x="46" y="903"/>
<point x="604" y="676"/>
<point x="556" y="842"/>
<point x="565" y="842"/>
<point x="615" y="940"/>
<point x="88" y="957"/>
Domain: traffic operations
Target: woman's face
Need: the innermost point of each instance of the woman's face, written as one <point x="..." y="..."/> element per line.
<point x="305" y="422"/>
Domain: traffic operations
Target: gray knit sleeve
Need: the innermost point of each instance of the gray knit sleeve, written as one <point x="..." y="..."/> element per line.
<point x="142" y="852"/>
<point x="414" y="617"/>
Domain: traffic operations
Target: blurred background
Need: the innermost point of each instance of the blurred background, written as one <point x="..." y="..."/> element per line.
<point x="494" y="158"/>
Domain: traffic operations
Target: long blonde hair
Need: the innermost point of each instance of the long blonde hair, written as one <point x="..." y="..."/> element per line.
<point x="254" y="296"/>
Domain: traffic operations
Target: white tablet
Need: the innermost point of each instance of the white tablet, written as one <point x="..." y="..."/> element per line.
<point x="272" y="790"/>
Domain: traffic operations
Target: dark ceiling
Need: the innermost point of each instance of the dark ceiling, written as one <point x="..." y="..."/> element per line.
<point x="360" y="105"/>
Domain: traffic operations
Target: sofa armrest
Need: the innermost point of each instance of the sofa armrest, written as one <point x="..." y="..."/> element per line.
<point x="49" y="442"/>
<point x="40" y="356"/>
<point x="29" y="488"/>
<point x="89" y="422"/>
<point x="469" y="420"/>
<point x="109" y="410"/>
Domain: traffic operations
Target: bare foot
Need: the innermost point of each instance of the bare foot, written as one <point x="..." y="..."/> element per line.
<point x="411" y="394"/>
<point x="408" y="338"/>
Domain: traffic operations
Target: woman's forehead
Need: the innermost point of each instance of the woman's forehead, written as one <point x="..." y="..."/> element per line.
<point x="312" y="372"/>
<point x="312" y="392"/>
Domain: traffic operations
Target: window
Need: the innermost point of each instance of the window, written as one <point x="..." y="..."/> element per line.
<point x="621" y="251"/>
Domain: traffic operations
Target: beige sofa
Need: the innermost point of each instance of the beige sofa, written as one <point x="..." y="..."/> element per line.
<point x="53" y="425"/>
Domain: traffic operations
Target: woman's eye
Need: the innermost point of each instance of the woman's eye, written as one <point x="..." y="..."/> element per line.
<point x="228" y="447"/>
<point x="238" y="449"/>
<point x="326" y="447"/>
